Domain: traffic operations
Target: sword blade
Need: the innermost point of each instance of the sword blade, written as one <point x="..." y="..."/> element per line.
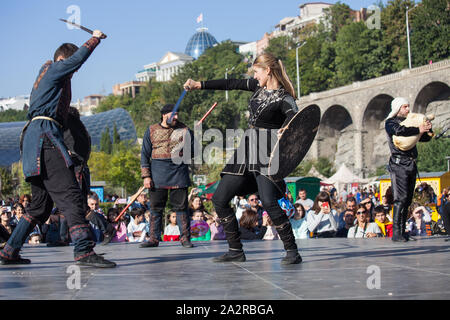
<point x="177" y="105"/>
<point x="78" y="26"/>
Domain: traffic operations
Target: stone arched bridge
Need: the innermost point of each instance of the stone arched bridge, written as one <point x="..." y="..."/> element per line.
<point x="352" y="125"/>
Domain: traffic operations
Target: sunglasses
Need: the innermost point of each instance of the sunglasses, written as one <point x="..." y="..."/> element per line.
<point x="252" y="199"/>
<point x="360" y="212"/>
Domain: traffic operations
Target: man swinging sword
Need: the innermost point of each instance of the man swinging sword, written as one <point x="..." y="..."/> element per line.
<point x="47" y="164"/>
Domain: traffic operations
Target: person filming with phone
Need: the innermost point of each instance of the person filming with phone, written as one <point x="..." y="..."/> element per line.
<point x="321" y="219"/>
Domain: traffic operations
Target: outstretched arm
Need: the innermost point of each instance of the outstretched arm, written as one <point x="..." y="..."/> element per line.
<point x="67" y="66"/>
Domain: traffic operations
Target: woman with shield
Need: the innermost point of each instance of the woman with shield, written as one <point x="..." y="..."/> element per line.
<point x="271" y="107"/>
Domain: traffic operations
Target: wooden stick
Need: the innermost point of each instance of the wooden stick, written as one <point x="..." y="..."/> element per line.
<point x="133" y="199"/>
<point x="206" y="114"/>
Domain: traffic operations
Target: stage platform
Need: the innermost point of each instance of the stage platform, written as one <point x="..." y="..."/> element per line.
<point x="331" y="269"/>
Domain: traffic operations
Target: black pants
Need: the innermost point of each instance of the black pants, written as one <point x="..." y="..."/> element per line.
<point x="403" y="180"/>
<point x="56" y="185"/>
<point x="269" y="194"/>
<point x="179" y="203"/>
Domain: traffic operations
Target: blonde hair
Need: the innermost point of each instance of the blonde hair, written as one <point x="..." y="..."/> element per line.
<point x="267" y="60"/>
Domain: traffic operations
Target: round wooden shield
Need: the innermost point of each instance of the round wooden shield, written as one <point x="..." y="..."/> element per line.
<point x="294" y="143"/>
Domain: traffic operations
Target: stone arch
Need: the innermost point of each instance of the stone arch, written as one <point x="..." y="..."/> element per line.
<point x="335" y="134"/>
<point x="433" y="91"/>
<point x="375" y="149"/>
<point x="433" y="98"/>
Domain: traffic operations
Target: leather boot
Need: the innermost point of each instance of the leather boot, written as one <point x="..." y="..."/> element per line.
<point x="230" y="226"/>
<point x="155" y="232"/>
<point x="184" y="225"/>
<point x="397" y="225"/>
<point x="287" y="236"/>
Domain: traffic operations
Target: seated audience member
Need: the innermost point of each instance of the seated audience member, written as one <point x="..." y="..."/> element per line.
<point x="445" y="214"/>
<point x="16" y="214"/>
<point x="217" y="231"/>
<point x="363" y="228"/>
<point x="298" y="222"/>
<point x="240" y="204"/>
<point x="271" y="233"/>
<point x="256" y="205"/>
<point x="248" y="226"/>
<point x="199" y="227"/>
<point x="417" y="224"/>
<point x="102" y="229"/>
<point x="196" y="203"/>
<point x="172" y="231"/>
<point x="141" y="202"/>
<point x="6" y="229"/>
<point x="321" y="219"/>
<point x="120" y="226"/>
<point x="350" y="204"/>
<point x="55" y="230"/>
<point x="387" y="207"/>
<point x="136" y="227"/>
<point x="368" y="204"/>
<point x="349" y="219"/>
<point x="382" y="221"/>
<point x="304" y="200"/>
<point x="25" y="200"/>
<point x="35" y="238"/>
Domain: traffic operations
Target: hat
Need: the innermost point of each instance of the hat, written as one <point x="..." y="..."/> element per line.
<point x="167" y="108"/>
<point x="396" y="105"/>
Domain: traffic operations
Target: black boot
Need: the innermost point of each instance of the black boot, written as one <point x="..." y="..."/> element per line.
<point x="184" y="225"/>
<point x="292" y="257"/>
<point x="397" y="225"/>
<point x="231" y="229"/>
<point x="155" y="232"/>
<point x="231" y="256"/>
<point x="97" y="261"/>
<point x="287" y="236"/>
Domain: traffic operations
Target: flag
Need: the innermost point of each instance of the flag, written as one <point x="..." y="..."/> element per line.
<point x="200" y="18"/>
<point x="208" y="190"/>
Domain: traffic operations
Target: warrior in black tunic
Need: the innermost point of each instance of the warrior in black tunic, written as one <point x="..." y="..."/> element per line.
<point x="271" y="106"/>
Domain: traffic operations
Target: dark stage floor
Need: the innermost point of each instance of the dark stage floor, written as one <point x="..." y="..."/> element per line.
<point x="331" y="269"/>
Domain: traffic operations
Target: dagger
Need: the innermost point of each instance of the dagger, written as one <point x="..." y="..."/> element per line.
<point x="81" y="27"/>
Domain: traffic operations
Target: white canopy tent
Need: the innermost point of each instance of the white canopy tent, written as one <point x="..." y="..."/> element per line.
<point x="344" y="176"/>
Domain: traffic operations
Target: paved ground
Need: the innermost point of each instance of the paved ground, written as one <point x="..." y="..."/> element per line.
<point x="332" y="269"/>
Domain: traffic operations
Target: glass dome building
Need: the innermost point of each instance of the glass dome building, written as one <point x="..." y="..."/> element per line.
<point x="95" y="125"/>
<point x="199" y="42"/>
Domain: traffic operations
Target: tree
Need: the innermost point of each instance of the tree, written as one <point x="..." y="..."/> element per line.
<point x="430" y="29"/>
<point x="6" y="182"/>
<point x="105" y="142"/>
<point x="432" y="155"/>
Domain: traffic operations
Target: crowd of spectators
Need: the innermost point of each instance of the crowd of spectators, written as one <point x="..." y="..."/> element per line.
<point x="329" y="215"/>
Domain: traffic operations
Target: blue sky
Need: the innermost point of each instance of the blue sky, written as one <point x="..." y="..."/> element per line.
<point x="139" y="32"/>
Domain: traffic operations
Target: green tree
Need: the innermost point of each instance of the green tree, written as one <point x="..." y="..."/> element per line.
<point x="124" y="169"/>
<point x="336" y="17"/>
<point x="432" y="155"/>
<point x="105" y="142"/>
<point x="393" y="19"/>
<point x="7" y="187"/>
<point x="11" y="115"/>
<point x="430" y="30"/>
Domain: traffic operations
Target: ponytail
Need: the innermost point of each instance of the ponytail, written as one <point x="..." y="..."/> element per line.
<point x="267" y="60"/>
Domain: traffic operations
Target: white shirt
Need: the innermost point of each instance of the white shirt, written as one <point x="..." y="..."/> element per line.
<point x="307" y="203"/>
<point x="321" y="222"/>
<point x="358" y="232"/>
<point x="132" y="227"/>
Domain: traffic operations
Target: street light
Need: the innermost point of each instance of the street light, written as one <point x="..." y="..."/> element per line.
<point x="226" y="77"/>
<point x="407" y="35"/>
<point x="298" y="72"/>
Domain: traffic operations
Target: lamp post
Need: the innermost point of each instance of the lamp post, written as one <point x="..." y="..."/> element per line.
<point x="298" y="71"/>
<point x="407" y="35"/>
<point x="226" y="77"/>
